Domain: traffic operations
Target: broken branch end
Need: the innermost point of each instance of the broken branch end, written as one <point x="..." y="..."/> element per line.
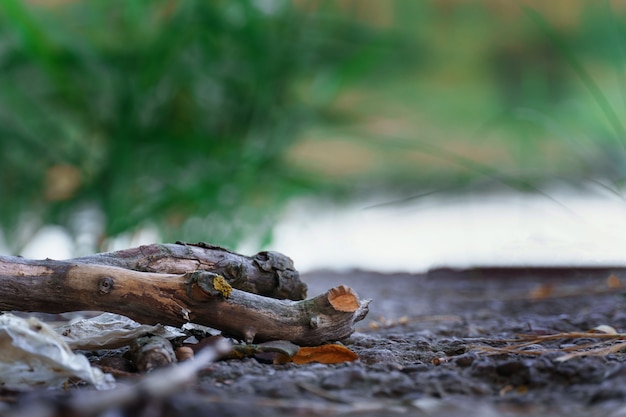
<point x="344" y="299"/>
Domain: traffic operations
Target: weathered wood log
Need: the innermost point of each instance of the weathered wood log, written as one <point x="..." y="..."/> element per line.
<point x="174" y="299"/>
<point x="271" y="274"/>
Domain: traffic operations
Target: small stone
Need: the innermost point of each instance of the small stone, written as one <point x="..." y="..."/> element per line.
<point x="511" y="367"/>
<point x="184" y="353"/>
<point x="482" y="368"/>
<point x="516" y="371"/>
<point x="465" y="360"/>
<point x="422" y="345"/>
<point x="378" y="356"/>
<point x="414" y="368"/>
<point x="343" y="378"/>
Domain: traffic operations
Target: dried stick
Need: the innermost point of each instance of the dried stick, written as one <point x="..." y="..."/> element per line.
<point x="158" y="384"/>
<point x="174" y="299"/>
<point x="271" y="274"/>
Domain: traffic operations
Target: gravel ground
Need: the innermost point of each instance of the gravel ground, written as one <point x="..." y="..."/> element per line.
<point x="422" y="352"/>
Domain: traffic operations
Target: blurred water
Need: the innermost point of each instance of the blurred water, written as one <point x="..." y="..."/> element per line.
<point x="569" y="228"/>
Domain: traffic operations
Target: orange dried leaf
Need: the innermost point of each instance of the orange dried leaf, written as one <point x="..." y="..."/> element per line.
<point x="324" y="354"/>
<point x="541" y="291"/>
<point x="613" y="281"/>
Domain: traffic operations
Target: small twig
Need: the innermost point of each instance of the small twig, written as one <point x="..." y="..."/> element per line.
<point x="573" y="335"/>
<point x="609" y="343"/>
<point x="200" y="296"/>
<point x="385" y="323"/>
<point x="160" y="383"/>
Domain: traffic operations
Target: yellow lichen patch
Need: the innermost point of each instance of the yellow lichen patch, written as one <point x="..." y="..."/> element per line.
<point x="220" y="284"/>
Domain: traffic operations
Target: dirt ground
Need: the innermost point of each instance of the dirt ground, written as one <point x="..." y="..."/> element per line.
<point x="427" y="348"/>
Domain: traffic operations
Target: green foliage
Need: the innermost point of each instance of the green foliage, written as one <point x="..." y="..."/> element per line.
<point x="580" y="70"/>
<point x="162" y="112"/>
<point x="517" y="99"/>
<point x="185" y="114"/>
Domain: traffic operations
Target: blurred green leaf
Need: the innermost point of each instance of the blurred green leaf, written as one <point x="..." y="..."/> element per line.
<point x="169" y="113"/>
<point x="189" y="116"/>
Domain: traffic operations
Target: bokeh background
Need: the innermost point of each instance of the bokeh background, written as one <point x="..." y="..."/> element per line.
<point x="205" y="120"/>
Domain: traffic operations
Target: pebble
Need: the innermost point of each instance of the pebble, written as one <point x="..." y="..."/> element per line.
<point x="414" y="368"/>
<point x="378" y="356"/>
<point x="343" y="378"/>
<point x="465" y="360"/>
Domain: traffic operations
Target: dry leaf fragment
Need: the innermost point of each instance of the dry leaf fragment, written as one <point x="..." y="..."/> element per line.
<point x="374" y="325"/>
<point x="542" y="291"/>
<point x="324" y="354"/>
<point x="613" y="281"/>
<point x="604" y="328"/>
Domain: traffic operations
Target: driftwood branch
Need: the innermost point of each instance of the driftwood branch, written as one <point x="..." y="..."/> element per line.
<point x="158" y="384"/>
<point x="271" y="274"/>
<point x="201" y="296"/>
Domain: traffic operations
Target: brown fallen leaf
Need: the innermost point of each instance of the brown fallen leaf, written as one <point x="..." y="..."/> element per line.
<point x="541" y="291"/>
<point x="323" y="354"/>
<point x="613" y="282"/>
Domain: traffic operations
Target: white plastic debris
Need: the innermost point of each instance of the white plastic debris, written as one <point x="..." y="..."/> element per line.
<point x="109" y="331"/>
<point x="33" y="354"/>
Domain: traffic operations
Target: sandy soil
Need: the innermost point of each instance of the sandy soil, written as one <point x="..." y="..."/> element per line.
<point x="427" y="348"/>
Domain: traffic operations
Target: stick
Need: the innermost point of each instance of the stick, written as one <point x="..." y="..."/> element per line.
<point x="173" y="299"/>
<point x="271" y="274"/>
<point x="158" y="384"/>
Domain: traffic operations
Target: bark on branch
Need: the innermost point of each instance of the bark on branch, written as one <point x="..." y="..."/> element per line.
<point x="197" y="295"/>
<point x="271" y="274"/>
